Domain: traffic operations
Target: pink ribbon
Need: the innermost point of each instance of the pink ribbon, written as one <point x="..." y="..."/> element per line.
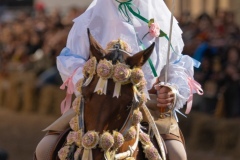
<point x="194" y="86"/>
<point x="66" y="103"/>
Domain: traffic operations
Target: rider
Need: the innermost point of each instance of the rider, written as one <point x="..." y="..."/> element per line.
<point x="139" y="23"/>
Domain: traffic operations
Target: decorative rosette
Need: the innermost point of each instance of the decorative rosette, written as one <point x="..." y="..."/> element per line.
<point x="89" y="70"/>
<point x="76" y="104"/>
<point x="123" y="44"/>
<point x="75" y="137"/>
<point x="70" y="137"/>
<point x="63" y="152"/>
<point x="104" y="71"/>
<point x="144" y="138"/>
<point x="137" y="76"/>
<point x="151" y="152"/>
<point x="106" y="141"/>
<point x="79" y="85"/>
<point x="74" y="123"/>
<point x="118" y="140"/>
<point x="131" y="134"/>
<point x="137" y="117"/>
<point x="121" y="74"/>
<point x="90" y="140"/>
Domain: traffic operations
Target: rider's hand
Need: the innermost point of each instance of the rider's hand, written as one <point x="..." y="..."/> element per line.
<point x="165" y="96"/>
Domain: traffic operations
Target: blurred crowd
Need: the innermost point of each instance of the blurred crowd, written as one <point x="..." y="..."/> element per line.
<point x="215" y="42"/>
<point x="30" y="42"/>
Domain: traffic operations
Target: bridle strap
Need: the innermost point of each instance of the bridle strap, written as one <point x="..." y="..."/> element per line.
<point x="127" y="123"/>
<point x="131" y="150"/>
<point x="124" y="129"/>
<point x="113" y="49"/>
<point x="81" y="115"/>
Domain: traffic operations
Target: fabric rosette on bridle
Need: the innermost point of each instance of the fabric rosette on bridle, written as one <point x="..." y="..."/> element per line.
<point x="89" y="142"/>
<point x="104" y="71"/>
<point x="137" y="79"/>
<point x="74" y="123"/>
<point x="75" y="137"/>
<point x="121" y="75"/>
<point x="89" y="70"/>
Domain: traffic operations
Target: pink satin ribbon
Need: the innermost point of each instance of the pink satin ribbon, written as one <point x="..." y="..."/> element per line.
<point x="66" y="103"/>
<point x="194" y="86"/>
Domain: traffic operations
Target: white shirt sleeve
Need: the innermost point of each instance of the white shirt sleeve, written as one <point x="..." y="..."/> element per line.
<point x="71" y="60"/>
<point x="179" y="72"/>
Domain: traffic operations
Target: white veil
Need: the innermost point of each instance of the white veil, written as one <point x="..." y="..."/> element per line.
<point x="106" y="23"/>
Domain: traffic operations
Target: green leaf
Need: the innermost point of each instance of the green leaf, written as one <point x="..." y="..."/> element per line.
<point x="150" y="22"/>
<point x="162" y="34"/>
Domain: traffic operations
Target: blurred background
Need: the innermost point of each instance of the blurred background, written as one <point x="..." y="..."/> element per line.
<point x="33" y="32"/>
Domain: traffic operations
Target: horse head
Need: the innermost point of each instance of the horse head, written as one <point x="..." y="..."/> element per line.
<point x="108" y="113"/>
<point x="103" y="111"/>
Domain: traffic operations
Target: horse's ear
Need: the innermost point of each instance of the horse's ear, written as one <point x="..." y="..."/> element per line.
<point x="141" y="57"/>
<point x="95" y="48"/>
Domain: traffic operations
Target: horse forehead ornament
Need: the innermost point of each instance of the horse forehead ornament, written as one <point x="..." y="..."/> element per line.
<point x="121" y="74"/>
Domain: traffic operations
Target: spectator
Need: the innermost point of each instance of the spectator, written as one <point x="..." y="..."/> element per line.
<point x="214" y="41"/>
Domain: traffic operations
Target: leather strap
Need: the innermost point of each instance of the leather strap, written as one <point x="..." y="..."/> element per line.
<point x="81" y="115"/>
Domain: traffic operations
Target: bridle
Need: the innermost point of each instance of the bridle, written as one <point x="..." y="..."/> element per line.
<point x="121" y="74"/>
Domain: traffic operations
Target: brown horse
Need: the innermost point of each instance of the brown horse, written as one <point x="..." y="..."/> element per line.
<point x="102" y="112"/>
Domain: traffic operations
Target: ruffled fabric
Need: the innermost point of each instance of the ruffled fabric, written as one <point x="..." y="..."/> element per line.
<point x="70" y="65"/>
<point x="178" y="75"/>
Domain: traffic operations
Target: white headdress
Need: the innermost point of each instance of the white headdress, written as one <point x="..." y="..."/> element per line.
<point x="132" y="21"/>
<point x="124" y="19"/>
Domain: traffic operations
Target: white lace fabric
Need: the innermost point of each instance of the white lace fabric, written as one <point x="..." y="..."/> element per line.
<point x="106" y="23"/>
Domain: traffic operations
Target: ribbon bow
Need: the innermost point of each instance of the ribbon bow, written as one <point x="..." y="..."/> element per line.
<point x="66" y="103"/>
<point x="124" y="7"/>
<point x="194" y="86"/>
